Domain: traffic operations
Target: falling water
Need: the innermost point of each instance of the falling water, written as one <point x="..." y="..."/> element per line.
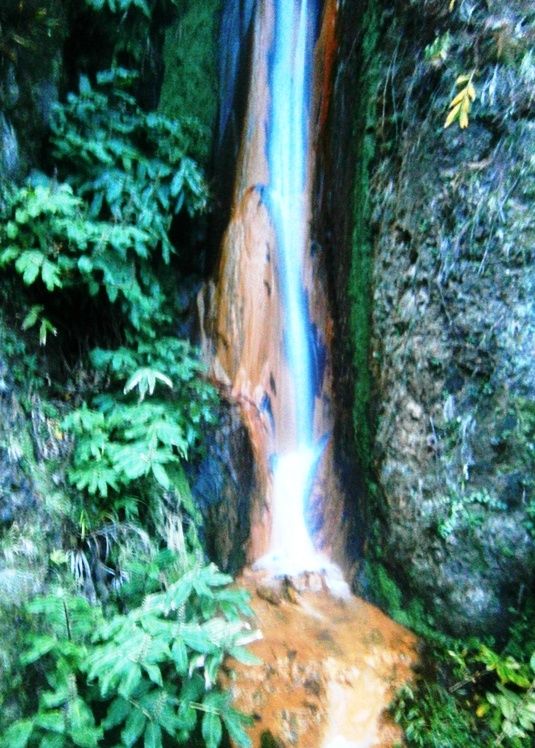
<point x="291" y="548"/>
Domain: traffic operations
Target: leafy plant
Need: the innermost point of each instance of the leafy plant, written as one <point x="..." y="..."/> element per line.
<point x="129" y="452"/>
<point x="120" y="441"/>
<point x="468" y="703"/>
<point x="462" y="511"/>
<point x="436" y="53"/>
<point x="123" y="6"/>
<point x="143" y="674"/>
<point x="35" y="316"/>
<point x="431" y="717"/>
<point x="127" y="174"/>
<point x="510" y="709"/>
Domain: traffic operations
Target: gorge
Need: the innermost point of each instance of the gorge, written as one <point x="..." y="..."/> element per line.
<point x="333" y="200"/>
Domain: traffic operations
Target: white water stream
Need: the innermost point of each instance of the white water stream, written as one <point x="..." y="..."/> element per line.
<point x="291" y="549"/>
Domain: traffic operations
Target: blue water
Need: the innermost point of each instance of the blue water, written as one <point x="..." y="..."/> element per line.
<point x="292" y="549"/>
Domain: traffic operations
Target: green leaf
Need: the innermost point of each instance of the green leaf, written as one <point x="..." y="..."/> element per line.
<point x="31" y="318"/>
<point x="52" y="741"/>
<point x="153" y="671"/>
<point x="84" y="264"/>
<point x="235" y="722"/>
<point x="29" y="264"/>
<point x="12" y="230"/>
<point x="153" y="736"/>
<point x="212" y="729"/>
<point x="118" y="711"/>
<point x="53" y="699"/>
<point x="131" y="681"/>
<point x="82" y="729"/>
<point x="161" y="476"/>
<point x="40" y="646"/>
<point x="145" y="380"/>
<point x="53" y="721"/>
<point x="8" y="255"/>
<point x="244" y="656"/>
<point x="179" y="654"/>
<point x="50" y="275"/>
<point x="18" y="734"/>
<point x="197" y="639"/>
<point x="135" y="724"/>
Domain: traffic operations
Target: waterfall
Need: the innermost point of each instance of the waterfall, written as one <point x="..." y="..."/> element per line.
<point x="265" y="320"/>
<point x="288" y="197"/>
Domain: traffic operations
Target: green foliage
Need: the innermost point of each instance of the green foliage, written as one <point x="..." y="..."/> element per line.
<point x="462" y="511"/>
<point x="510" y="707"/>
<point x="129" y="451"/>
<point x="479" y="696"/>
<point x="34" y="317"/>
<point x="127" y="173"/>
<point x="190" y="82"/>
<point x="431" y="717"/>
<point x="437" y="52"/>
<point x="132" y="165"/>
<point x="142" y="674"/>
<point x="468" y="703"/>
<point x="494" y="705"/>
<point x="123" y="6"/>
<point x="139" y="665"/>
<point x="24" y="365"/>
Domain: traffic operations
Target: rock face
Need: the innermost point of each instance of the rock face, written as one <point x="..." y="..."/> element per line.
<point x="30" y="71"/>
<point x="222" y="484"/>
<point x="17" y="496"/>
<point x="448" y="328"/>
<point x="329" y="670"/>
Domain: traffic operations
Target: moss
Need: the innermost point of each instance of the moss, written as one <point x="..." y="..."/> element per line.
<point x="383" y="589"/>
<point x="359" y="292"/>
<point x="190" y="82"/>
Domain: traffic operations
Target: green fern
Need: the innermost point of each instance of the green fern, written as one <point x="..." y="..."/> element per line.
<point x="151" y="671"/>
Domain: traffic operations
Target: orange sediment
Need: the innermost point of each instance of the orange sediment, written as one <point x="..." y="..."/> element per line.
<point x="330" y="669"/>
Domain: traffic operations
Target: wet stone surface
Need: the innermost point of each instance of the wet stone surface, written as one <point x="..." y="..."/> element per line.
<point x="330" y="667"/>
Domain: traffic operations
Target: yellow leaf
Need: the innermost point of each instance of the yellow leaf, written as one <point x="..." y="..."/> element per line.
<point x="471" y="91"/>
<point x="452" y="5"/>
<point x="482" y="710"/>
<point x="463" y="120"/>
<point x="452" y="116"/>
<point x="458" y="99"/>
<point x="462" y="79"/>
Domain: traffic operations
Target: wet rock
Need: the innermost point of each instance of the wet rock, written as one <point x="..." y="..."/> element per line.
<point x="329" y="670"/>
<point x="17" y="496"/>
<point x="268" y="741"/>
<point x="222" y="483"/>
<point x="270" y="594"/>
<point x="17" y="586"/>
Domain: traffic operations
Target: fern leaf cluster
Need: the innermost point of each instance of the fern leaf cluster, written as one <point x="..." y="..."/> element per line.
<point x="141" y="675"/>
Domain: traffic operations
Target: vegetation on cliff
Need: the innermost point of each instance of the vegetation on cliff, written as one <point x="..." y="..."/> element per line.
<point x="122" y="626"/>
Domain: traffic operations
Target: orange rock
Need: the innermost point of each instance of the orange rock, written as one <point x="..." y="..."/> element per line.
<point x="330" y="668"/>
